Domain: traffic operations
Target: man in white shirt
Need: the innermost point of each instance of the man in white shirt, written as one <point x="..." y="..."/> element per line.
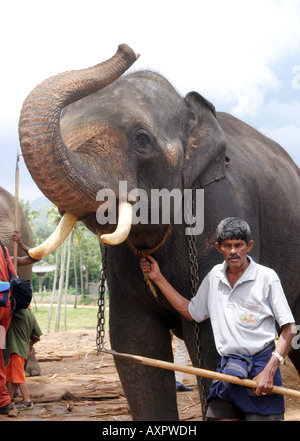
<point x="243" y="300"/>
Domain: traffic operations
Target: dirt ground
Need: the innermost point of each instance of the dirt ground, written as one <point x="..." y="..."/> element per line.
<point x="77" y="385"/>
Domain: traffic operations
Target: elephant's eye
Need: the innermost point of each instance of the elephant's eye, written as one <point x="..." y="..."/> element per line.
<point x="141" y="140"/>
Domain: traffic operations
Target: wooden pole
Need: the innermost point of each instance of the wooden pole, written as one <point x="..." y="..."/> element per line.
<point x="201" y="373"/>
<point x="16" y="217"/>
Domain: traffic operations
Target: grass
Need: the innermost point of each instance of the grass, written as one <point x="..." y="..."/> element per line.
<point x="77" y="318"/>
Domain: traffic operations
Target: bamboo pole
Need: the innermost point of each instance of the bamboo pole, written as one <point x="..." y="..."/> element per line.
<point x="60" y="286"/>
<point x="16" y="217"/>
<point x="201" y="373"/>
<point x="67" y="279"/>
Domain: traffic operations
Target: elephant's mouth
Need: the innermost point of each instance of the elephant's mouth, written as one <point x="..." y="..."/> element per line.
<point x="68" y="222"/>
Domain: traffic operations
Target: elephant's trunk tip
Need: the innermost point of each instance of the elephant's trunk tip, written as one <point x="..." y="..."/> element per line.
<point x="127" y="52"/>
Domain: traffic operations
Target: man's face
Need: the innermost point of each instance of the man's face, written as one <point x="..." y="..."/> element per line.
<point x="234" y="251"/>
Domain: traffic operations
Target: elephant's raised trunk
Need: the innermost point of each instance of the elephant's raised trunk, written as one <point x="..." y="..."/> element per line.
<point x="60" y="173"/>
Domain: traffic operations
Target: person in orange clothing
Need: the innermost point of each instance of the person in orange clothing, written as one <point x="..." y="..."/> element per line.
<point x="5" y="318"/>
<point x="23" y="332"/>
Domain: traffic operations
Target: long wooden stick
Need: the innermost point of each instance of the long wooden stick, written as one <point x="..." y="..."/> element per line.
<point x="201" y="372"/>
<point x="16" y="217"/>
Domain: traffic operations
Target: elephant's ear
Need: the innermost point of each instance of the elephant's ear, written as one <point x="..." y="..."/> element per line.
<point x="204" y="159"/>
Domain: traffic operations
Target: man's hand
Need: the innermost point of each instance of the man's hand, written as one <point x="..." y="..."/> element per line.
<point x="34" y="338"/>
<point x="16" y="237"/>
<point x="26" y="260"/>
<point x="150" y="268"/>
<point x="265" y="381"/>
<point x="265" y="378"/>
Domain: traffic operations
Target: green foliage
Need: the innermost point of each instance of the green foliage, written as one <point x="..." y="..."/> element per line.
<point x="35" y="282"/>
<point x="32" y="215"/>
<point x="78" y="318"/>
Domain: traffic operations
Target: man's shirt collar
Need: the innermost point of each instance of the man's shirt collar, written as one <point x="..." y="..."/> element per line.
<point x="249" y="274"/>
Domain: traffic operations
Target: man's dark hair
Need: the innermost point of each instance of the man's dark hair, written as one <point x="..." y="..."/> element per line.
<point x="233" y="228"/>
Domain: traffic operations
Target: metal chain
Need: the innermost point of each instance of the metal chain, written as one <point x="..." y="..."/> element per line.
<point x="194" y="277"/>
<point x="101" y="305"/>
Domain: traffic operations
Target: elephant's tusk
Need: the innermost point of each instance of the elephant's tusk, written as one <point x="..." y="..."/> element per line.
<point x="123" y="228"/>
<point x="61" y="232"/>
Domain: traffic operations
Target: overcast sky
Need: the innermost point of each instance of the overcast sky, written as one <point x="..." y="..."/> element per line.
<point x="244" y="56"/>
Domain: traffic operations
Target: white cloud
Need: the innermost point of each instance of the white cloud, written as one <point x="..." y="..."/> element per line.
<point x="226" y="50"/>
<point x="289" y="138"/>
<point x="230" y="49"/>
<point x="280" y="121"/>
<point x="281" y="113"/>
<point x="222" y="49"/>
<point x="296" y="77"/>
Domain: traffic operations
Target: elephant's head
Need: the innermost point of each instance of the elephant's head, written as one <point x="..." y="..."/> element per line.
<point x="84" y="131"/>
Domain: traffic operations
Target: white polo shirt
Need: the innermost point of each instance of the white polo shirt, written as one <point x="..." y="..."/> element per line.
<point x="243" y="317"/>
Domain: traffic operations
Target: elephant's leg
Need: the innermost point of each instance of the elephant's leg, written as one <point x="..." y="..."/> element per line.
<point x="294" y="353"/>
<point x="150" y="391"/>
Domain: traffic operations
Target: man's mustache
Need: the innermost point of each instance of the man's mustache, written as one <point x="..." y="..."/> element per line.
<point x="233" y="256"/>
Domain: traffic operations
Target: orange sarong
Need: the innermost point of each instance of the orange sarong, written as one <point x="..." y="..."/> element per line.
<point x="15" y="372"/>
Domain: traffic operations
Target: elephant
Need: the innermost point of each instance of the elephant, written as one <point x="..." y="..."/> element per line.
<point x="87" y="131"/>
<point x="7" y="210"/>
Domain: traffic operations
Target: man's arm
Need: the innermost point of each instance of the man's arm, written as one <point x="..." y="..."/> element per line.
<point x="26" y="260"/>
<point x="151" y="269"/>
<point x="16" y="237"/>
<point x="265" y="378"/>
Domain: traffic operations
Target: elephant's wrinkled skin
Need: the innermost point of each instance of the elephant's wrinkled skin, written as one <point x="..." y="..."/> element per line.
<point x="7" y="212"/>
<point x="139" y="130"/>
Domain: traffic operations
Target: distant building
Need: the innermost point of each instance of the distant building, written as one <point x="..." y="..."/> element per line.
<point x="42" y="271"/>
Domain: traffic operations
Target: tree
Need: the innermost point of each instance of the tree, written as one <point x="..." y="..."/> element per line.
<point x="32" y="215"/>
<point x="83" y="258"/>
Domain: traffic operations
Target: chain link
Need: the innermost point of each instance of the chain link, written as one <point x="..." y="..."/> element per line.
<point x="194" y="277"/>
<point x="101" y="305"/>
